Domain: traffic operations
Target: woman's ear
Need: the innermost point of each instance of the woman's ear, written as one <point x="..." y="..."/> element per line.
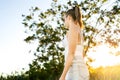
<point x="69" y="18"/>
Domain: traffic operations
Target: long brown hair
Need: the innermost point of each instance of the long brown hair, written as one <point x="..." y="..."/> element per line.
<point x="76" y="15"/>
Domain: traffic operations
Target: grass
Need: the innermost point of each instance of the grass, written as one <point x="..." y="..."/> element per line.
<point x="105" y="73"/>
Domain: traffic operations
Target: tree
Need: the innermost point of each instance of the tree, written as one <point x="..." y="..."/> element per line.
<point x="47" y="29"/>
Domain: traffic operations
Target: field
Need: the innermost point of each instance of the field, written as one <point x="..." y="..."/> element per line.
<point x="105" y="73"/>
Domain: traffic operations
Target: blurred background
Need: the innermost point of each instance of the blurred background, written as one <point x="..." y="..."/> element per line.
<point x="32" y="32"/>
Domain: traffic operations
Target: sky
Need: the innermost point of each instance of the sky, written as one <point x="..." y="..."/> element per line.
<point x="14" y="51"/>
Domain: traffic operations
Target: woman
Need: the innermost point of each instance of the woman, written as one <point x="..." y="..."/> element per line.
<point x="75" y="67"/>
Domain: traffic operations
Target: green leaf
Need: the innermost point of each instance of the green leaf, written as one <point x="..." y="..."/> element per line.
<point x="29" y="17"/>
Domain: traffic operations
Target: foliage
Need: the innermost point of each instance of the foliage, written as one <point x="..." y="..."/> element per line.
<point x="15" y="76"/>
<point x="49" y="30"/>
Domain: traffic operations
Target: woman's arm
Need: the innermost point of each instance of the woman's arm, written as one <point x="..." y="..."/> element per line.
<point x="72" y="41"/>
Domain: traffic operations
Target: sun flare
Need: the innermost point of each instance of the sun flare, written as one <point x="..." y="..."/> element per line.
<point x="102" y="56"/>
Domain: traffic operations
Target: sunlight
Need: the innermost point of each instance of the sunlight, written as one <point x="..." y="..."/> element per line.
<point x="101" y="55"/>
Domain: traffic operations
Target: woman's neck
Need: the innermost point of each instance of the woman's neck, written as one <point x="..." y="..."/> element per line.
<point x="73" y="24"/>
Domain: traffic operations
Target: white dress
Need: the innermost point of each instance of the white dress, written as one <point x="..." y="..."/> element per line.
<point x="78" y="69"/>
